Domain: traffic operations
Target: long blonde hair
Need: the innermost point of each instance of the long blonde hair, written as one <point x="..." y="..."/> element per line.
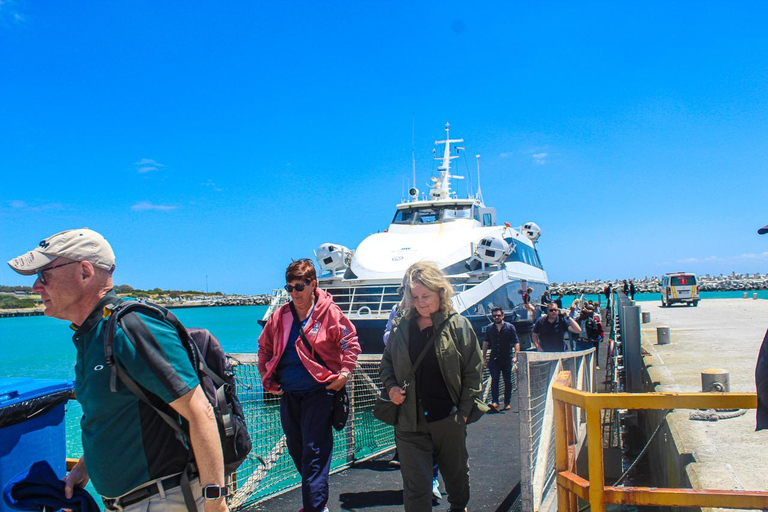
<point x="430" y="276"/>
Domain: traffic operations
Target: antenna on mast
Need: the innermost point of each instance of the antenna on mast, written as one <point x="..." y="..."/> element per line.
<point x="479" y="191"/>
<point x="413" y="149"/>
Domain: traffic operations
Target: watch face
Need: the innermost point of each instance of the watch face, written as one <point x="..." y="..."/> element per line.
<point x="213" y="492"/>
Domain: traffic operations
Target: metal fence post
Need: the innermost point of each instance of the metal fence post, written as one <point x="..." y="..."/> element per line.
<point x="631" y="349"/>
<point x="526" y="436"/>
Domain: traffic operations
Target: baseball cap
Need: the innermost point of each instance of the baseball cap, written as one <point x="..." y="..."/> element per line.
<point x="75" y="244"/>
<point x="763" y="230"/>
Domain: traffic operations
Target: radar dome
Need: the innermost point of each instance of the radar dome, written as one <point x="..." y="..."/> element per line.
<point x="531" y="230"/>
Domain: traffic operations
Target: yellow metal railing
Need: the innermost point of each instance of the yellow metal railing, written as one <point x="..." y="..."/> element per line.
<point x="570" y="485"/>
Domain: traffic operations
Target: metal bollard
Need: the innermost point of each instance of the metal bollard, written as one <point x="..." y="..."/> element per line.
<point x="662" y="335"/>
<point x="746" y="295"/>
<point x="715" y="380"/>
<point x="754" y="296"/>
<point x="646" y="317"/>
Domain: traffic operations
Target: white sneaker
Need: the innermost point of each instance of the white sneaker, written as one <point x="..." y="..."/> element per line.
<point x="436" y="489"/>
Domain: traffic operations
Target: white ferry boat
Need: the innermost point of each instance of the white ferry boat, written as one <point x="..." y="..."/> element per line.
<point x="488" y="264"/>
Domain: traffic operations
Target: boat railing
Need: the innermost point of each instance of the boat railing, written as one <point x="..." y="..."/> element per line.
<point x="537" y="372"/>
<point x="570" y="405"/>
<point x="372" y="301"/>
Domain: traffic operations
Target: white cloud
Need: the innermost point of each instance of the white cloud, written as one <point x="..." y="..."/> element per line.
<point x="19" y="205"/>
<point x="506" y="154"/>
<point x="746" y="256"/>
<point x="8" y="11"/>
<point x="148" y="165"/>
<point x="540" y="158"/>
<point x="143" y="206"/>
<point x="754" y="256"/>
<point x="210" y="184"/>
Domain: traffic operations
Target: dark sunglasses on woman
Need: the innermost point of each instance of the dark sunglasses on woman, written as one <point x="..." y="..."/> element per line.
<point x="299" y="287"/>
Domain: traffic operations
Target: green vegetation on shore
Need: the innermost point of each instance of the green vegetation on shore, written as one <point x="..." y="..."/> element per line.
<point x="155" y="293"/>
<point x="22" y="297"/>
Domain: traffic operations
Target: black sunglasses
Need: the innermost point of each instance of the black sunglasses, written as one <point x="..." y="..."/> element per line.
<point x="552" y="310"/>
<point x="497" y="315"/>
<point x="289" y="287"/>
<point x="41" y="273"/>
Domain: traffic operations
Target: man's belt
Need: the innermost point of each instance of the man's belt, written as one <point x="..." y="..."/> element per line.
<point x="141" y="494"/>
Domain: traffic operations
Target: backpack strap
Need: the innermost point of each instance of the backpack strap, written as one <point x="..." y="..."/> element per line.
<point x="120" y="313"/>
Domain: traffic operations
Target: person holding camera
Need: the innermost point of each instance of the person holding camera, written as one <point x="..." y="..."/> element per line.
<point x="549" y="331"/>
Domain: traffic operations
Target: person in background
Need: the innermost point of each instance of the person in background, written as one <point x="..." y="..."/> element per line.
<point x="501" y="338"/>
<point x="74" y="279"/>
<point x="632" y="289"/>
<point x="625" y="288"/>
<point x="434" y="408"/>
<point x="291" y="370"/>
<point x="608" y="291"/>
<point x="573" y="312"/>
<point x="549" y="331"/>
<point x="527" y="304"/>
<point x="546" y="299"/>
<point x="559" y="300"/>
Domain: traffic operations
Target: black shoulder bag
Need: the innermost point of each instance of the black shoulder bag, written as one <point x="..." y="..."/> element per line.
<point x="341" y="398"/>
<point x="385" y="409"/>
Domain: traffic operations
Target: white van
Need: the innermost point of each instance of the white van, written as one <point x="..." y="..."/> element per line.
<point x="679" y="287"/>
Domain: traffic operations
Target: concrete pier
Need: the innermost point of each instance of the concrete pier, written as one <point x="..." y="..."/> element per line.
<point x="722" y="333"/>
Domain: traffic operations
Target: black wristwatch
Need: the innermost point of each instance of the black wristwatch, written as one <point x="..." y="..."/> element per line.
<point x="214" y="492"/>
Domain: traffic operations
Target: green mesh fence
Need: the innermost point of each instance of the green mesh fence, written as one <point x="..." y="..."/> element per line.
<point x="269" y="470"/>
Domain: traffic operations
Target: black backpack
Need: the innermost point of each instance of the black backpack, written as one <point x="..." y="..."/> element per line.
<point x="213" y="369"/>
<point x="593" y="331"/>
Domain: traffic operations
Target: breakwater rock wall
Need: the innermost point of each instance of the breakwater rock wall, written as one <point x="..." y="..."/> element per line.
<point x="706" y="283"/>
<point x="227" y="300"/>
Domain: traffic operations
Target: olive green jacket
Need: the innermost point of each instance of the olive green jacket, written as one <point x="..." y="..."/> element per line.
<point x="459" y="357"/>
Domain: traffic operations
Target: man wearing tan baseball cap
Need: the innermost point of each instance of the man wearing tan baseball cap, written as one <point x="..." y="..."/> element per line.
<point x="74" y="279"/>
<point x="75" y="244"/>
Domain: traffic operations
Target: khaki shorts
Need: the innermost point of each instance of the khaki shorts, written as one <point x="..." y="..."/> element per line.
<point x="171" y="500"/>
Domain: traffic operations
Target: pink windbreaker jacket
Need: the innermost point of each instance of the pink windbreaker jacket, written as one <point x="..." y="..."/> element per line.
<point x="329" y="333"/>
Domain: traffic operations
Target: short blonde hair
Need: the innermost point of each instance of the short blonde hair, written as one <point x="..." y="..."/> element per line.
<point x="430" y="276"/>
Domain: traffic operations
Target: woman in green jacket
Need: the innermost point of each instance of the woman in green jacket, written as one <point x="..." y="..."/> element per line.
<point x="435" y="403"/>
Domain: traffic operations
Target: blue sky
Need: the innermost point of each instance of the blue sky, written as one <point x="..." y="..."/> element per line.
<point x="224" y="139"/>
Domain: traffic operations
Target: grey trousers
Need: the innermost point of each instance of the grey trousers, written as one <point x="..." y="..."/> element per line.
<point x="447" y="439"/>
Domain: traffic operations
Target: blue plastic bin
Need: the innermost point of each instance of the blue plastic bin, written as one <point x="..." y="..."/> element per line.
<point x="32" y="426"/>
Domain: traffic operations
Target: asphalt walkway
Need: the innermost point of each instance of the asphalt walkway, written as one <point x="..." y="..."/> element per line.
<point x="494" y="459"/>
<point x="724" y="334"/>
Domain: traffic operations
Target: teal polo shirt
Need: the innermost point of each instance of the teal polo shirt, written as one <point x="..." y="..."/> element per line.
<point x="125" y="442"/>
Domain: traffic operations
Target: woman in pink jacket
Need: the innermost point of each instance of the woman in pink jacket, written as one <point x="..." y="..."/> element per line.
<point x="291" y="370"/>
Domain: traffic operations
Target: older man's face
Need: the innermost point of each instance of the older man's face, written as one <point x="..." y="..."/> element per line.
<point x="63" y="289"/>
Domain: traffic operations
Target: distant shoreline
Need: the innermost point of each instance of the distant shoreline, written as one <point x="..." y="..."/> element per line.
<point x="706" y="283"/>
<point x="12" y="313"/>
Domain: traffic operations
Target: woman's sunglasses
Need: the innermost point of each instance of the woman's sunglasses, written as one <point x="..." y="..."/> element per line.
<point x="299" y="287"/>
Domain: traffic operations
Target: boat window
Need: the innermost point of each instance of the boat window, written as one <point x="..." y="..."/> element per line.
<point x="431" y="215"/>
<point x="428" y="216"/>
<point x="487" y="219"/>
<point x="457" y="212"/>
<point x="404" y="217"/>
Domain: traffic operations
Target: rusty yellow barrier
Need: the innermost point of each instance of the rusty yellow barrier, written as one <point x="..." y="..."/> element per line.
<point x="570" y="485"/>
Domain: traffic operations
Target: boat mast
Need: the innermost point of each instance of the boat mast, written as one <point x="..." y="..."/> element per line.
<point x="441" y="188"/>
<point x="479" y="194"/>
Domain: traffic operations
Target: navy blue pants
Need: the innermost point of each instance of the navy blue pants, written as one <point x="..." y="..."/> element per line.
<point x="496" y="367"/>
<point x="306" y="419"/>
